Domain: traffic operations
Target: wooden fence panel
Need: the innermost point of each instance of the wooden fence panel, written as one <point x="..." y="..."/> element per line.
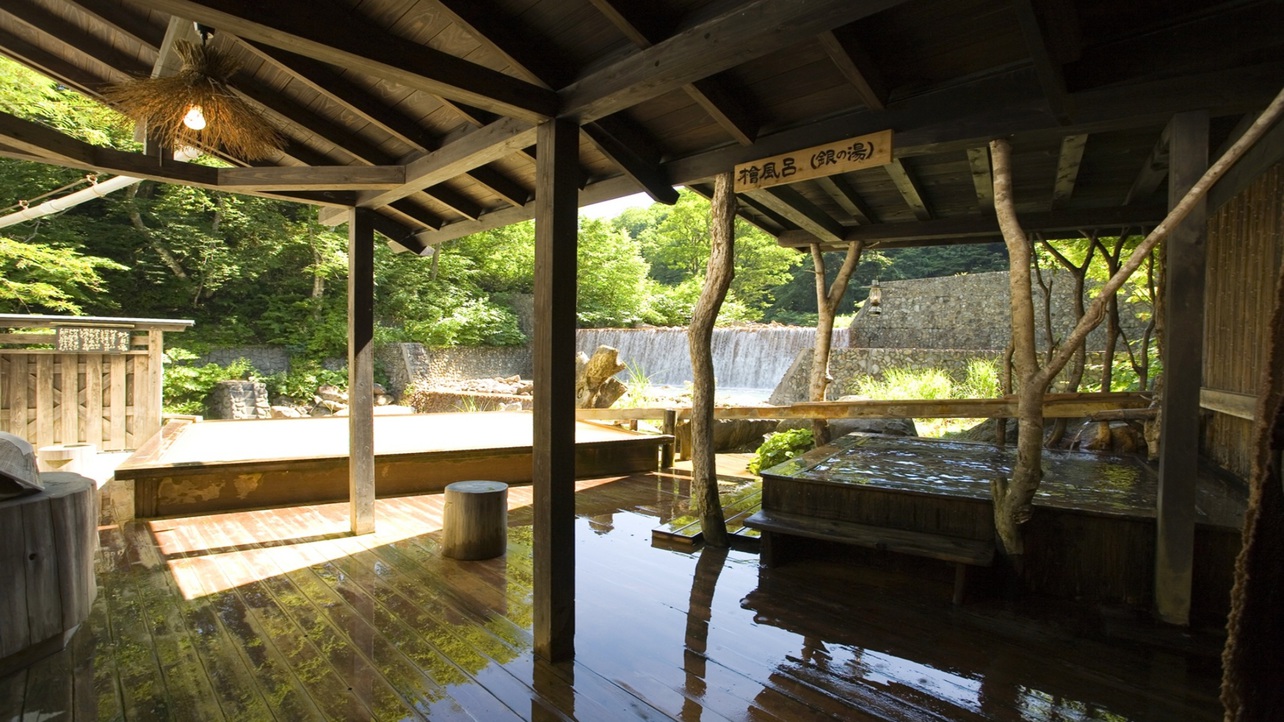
<point x="94" y="400"/>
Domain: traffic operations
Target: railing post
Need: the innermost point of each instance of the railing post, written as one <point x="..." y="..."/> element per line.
<point x="670" y="426"/>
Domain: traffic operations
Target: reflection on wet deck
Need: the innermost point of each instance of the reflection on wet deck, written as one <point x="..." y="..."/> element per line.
<point x="279" y="615"/>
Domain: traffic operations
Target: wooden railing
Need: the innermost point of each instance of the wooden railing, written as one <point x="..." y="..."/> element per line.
<point x="108" y="397"/>
<point x="1054" y="406"/>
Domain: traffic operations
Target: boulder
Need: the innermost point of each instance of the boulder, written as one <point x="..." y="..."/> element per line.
<point x="238" y="400"/>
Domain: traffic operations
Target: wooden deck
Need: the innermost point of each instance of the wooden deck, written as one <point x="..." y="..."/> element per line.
<point x="279" y="614"/>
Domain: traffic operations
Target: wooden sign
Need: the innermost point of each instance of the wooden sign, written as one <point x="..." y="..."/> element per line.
<point x="87" y="339"/>
<point x="864" y="151"/>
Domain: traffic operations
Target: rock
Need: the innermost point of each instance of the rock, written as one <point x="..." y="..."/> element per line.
<point x="382" y="400"/>
<point x="379" y="390"/>
<point x="238" y="400"/>
<point x="887" y="427"/>
<point x="595" y="384"/>
<point x="285" y="412"/>
<point x="333" y="394"/>
<point x="18" y="473"/>
<point x="609" y="392"/>
<point x="321" y="410"/>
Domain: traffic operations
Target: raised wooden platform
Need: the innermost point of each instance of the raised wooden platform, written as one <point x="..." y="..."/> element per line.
<point x="194" y="468"/>
<point x="1091" y="537"/>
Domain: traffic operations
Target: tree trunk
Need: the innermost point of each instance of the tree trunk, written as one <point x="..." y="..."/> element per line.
<point x="826" y="306"/>
<point x="704" y="472"/>
<point x="1012" y="496"/>
<point x="136" y="220"/>
<point x="1079" y="361"/>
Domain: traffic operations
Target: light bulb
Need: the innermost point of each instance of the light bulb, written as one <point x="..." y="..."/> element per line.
<point x="195" y="118"/>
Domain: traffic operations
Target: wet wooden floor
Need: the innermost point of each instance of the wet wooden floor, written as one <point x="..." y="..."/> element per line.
<point x="279" y="614"/>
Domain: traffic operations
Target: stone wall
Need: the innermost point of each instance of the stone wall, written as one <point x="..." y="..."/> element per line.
<point x="407" y="362"/>
<point x="265" y="359"/>
<point x="969" y="312"/>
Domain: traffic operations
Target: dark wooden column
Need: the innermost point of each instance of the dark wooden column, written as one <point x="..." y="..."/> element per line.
<point x="1183" y="372"/>
<point x="361" y="476"/>
<point x="553" y="351"/>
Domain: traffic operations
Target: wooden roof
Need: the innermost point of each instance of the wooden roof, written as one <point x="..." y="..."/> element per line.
<point x="425" y="109"/>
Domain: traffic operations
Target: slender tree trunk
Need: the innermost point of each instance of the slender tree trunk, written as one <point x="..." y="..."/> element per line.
<point x="1012" y="496"/>
<point x="827" y="301"/>
<point x="704" y="472"/>
<point x="1079" y="273"/>
<point x="136" y="220"/>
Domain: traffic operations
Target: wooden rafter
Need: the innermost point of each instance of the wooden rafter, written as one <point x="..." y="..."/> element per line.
<point x="857" y="67"/>
<point x="758" y="27"/>
<point x="978" y="160"/>
<point x="908" y="188"/>
<point x="644" y="29"/>
<point x="984" y="229"/>
<point x="121" y="20"/>
<point x="841" y="190"/>
<point x="346" y="39"/>
<point x="1046" y="64"/>
<point x="1068" y="163"/>
<point x="616" y="137"/>
<point x="52" y="65"/>
<point x="755" y="214"/>
<point x="76" y="39"/>
<point x="790" y="204"/>
<point x="1152" y="172"/>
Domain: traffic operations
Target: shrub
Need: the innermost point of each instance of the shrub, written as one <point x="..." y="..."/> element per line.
<point x="302" y="380"/>
<point x="780" y="447"/>
<point x="185" y="387"/>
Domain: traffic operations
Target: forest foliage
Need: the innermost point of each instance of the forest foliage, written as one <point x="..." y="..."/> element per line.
<point x="253" y="270"/>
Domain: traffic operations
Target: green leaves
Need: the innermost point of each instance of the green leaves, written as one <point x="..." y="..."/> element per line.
<point x="39" y="278"/>
<point x="779" y="447"/>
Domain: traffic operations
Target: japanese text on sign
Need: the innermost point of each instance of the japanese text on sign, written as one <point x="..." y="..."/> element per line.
<point x="865" y="151"/>
<point x="83" y="339"/>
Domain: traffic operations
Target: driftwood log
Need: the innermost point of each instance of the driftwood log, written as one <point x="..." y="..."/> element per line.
<point x="595" y="384"/>
<point x="47" y="542"/>
<point x="475" y="522"/>
<point x="18" y="473"/>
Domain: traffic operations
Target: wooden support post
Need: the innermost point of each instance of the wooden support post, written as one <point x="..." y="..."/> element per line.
<point x="361" y="471"/>
<point x="553" y="357"/>
<point x="670" y="428"/>
<point x="1183" y="366"/>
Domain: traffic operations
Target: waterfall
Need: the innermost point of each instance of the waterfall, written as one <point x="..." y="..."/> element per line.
<point x="749" y="357"/>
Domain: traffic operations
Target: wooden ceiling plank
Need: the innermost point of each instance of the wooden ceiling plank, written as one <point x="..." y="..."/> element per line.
<point x="986" y="228"/>
<point x="908" y="189"/>
<point x="330" y="34"/>
<point x="646" y="174"/>
<point x="475" y="148"/>
<point x="752" y="214"/>
<point x="857" y="67"/>
<point x="1051" y="76"/>
<point x="846" y="196"/>
<point x="1068" y="163"/>
<point x="978" y="160"/>
<point x="75" y="39"/>
<point x="354" y="98"/>
<point x="790" y="204"/>
<point x="122" y="20"/>
<point x="420" y="215"/>
<point x="638" y="21"/>
<point x="741" y="33"/>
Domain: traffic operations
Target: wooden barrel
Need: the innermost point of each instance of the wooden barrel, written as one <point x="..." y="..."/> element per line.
<point x="476" y="520"/>
<point x="47" y="543"/>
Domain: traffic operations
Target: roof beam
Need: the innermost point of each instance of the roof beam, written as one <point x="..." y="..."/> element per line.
<point x="790" y="204"/>
<point x="740" y="33"/>
<point x="1068" y="162"/>
<point x="984" y="229"/>
<point x="710" y="94"/>
<point x="455" y="201"/>
<point x="56" y="148"/>
<point x="474" y="149"/>
<point x="331" y="34"/>
<point x="908" y="188"/>
<point x="51" y="65"/>
<point x="978" y="160"/>
<point x="856" y="65"/>
<point x="122" y="20"/>
<point x="774" y="224"/>
<point x="290" y="178"/>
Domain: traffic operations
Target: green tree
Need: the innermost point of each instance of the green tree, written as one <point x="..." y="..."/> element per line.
<point x="38" y="278"/>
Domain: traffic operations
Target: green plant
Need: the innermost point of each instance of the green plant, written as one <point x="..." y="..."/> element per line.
<point x="185" y="386"/>
<point x="303" y="379"/>
<point x="779" y="447"/>
<point x="982" y="380"/>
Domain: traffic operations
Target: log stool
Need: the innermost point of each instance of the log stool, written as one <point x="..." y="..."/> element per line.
<point x="47" y="543"/>
<point x="476" y="520"/>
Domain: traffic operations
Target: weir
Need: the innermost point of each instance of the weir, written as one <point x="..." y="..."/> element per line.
<point x="751" y="357"/>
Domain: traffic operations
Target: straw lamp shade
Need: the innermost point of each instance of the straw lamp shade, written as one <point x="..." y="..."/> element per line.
<point x="229" y="122"/>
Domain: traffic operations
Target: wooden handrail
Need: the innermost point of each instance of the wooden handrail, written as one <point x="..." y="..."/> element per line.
<point x="1054" y="406"/>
